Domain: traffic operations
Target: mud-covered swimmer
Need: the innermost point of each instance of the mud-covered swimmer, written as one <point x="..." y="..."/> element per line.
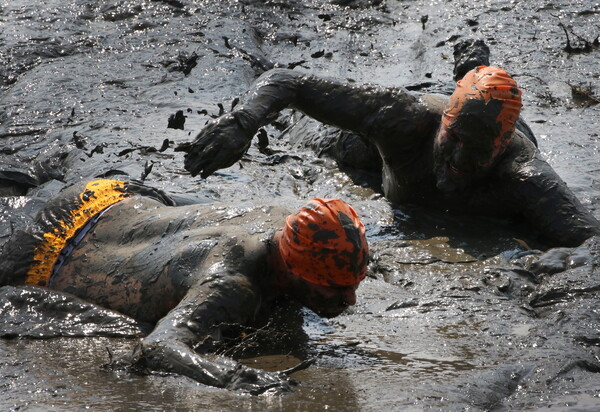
<point x="192" y="270"/>
<point x="469" y="153"/>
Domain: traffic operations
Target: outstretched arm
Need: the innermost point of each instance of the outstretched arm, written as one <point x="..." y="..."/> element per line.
<point x="371" y="111"/>
<point x="170" y="346"/>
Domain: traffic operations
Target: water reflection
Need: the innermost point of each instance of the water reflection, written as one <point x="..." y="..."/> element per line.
<point x="424" y="365"/>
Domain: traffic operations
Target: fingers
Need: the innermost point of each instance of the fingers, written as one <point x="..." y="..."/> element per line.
<point x="256" y="381"/>
<point x="183" y="147"/>
<point x="196" y="156"/>
<point x="278" y="388"/>
<point x="301" y="366"/>
<point x="221" y="159"/>
<point x="207" y="160"/>
<point x="218" y="146"/>
<point x="553" y="261"/>
<point x="192" y="164"/>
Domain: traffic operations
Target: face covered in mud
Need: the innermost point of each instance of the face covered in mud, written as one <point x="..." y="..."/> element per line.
<point x="477" y="126"/>
<point x="325" y="301"/>
<point x="464" y="151"/>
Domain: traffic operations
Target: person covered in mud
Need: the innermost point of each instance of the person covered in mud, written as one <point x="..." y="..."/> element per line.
<point x="194" y="270"/>
<point x="469" y="153"/>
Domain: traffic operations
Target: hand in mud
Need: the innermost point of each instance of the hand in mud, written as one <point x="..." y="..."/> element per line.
<point x="220" y="144"/>
<point x="176" y="357"/>
<point x="256" y="381"/>
<point x="560" y="259"/>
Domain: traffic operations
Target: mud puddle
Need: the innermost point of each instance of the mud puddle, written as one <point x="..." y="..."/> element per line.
<point x="445" y="320"/>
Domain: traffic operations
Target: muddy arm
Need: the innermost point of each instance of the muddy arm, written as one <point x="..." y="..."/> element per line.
<point x="169" y="348"/>
<point x="373" y="112"/>
<point x="551" y="206"/>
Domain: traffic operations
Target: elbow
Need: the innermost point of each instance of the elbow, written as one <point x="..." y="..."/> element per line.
<point x="273" y="91"/>
<point x="280" y="79"/>
<point x="573" y="236"/>
<point x="278" y="74"/>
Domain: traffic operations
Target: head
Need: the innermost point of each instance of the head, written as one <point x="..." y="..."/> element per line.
<point x="323" y="254"/>
<point x="476" y="128"/>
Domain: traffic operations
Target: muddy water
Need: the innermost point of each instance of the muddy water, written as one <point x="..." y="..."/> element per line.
<point x="443" y="321"/>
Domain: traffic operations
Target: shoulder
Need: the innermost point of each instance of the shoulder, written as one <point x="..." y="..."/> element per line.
<point x="253" y="218"/>
<point x="243" y="232"/>
<point x="524" y="175"/>
<point x="434" y="102"/>
<point x="521" y="157"/>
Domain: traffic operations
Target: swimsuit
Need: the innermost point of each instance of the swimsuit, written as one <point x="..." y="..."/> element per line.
<point x="35" y="251"/>
<point x="74" y="242"/>
<point x="60" y="240"/>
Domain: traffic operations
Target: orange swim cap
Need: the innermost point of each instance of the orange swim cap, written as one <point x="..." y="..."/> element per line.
<point x="486" y="83"/>
<point x="324" y="243"/>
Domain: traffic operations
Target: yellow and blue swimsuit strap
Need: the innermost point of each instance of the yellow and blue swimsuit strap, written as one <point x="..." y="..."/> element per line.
<point x="96" y="197"/>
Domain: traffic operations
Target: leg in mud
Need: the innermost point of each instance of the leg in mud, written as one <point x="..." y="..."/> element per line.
<point x="33" y="312"/>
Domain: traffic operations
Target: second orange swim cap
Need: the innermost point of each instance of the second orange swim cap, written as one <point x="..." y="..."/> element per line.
<point x="485" y="83"/>
<point x="324" y="243"/>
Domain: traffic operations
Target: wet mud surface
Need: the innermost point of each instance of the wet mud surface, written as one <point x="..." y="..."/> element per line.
<point x="450" y="317"/>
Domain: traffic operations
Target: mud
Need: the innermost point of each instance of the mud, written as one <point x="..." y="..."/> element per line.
<point x="449" y="318"/>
